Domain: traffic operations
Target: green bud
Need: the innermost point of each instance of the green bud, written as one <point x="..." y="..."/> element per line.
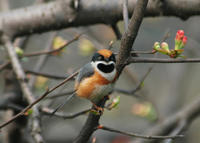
<point x="156" y="46"/>
<point x="19" y="51"/>
<point x="165" y="47"/>
<point x="115" y="102"/>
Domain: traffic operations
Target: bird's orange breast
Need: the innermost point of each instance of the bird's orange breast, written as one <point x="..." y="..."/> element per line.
<point x="88" y="85"/>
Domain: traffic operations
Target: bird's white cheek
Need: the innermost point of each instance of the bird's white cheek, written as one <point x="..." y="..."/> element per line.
<point x="109" y="76"/>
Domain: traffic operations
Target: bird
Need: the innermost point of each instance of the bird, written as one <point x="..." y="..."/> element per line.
<point x="96" y="79"/>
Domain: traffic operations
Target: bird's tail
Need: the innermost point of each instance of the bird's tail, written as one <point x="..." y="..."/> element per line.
<point x="62" y="104"/>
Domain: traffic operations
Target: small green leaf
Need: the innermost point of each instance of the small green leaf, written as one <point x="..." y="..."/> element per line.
<point x="114" y="103"/>
<point x="29" y="112"/>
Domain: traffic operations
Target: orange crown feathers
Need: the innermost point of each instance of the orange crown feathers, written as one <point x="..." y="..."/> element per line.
<point x="106" y="53"/>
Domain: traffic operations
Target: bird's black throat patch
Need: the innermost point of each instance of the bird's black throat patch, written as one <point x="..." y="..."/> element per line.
<point x="106" y="68"/>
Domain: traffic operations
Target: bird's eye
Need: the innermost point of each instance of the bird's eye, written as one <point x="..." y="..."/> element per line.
<point x="100" y="58"/>
<point x="112" y="58"/>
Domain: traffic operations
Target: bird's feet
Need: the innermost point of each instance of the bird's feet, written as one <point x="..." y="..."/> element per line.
<point x="97" y="110"/>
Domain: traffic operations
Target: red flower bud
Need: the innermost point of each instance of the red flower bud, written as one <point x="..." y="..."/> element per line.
<point x="179" y="35"/>
<point x="184" y="40"/>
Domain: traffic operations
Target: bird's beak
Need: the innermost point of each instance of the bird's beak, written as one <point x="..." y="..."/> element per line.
<point x="106" y="60"/>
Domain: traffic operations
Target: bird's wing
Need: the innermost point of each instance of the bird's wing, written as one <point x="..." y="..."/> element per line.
<point x="85" y="71"/>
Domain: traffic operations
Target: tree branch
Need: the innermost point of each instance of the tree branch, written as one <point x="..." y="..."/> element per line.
<point x="35" y="123"/>
<point x="137" y="135"/>
<point x="159" y="60"/>
<point x="138" y="87"/>
<point x="63" y="13"/>
<point x="52" y="50"/>
<point x="48" y="112"/>
<point x="48" y="75"/>
<point x="125" y="14"/>
<point x="130" y="35"/>
<point x="90" y="125"/>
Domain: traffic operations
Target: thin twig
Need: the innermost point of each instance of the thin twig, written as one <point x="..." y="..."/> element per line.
<point x="58" y="77"/>
<point x="137" y="135"/>
<point x="125" y="14"/>
<point x="138" y="87"/>
<point x="141" y="52"/>
<point x="54" y="50"/>
<point x="159" y="60"/>
<point x="48" y="112"/>
<point x="177" y="130"/>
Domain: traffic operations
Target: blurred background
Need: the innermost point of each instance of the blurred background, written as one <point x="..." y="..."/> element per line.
<point x="165" y="91"/>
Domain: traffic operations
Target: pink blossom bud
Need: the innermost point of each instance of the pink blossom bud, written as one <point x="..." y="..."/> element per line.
<point x="165" y="47"/>
<point x="156" y="46"/>
<point x="179" y="35"/>
<point x="184" y="40"/>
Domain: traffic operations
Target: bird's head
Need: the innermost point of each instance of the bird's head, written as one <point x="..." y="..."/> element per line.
<point x="104" y="61"/>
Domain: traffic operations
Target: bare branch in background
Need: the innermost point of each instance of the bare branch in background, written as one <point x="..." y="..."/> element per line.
<point x="130" y="35"/>
<point x="48" y="112"/>
<point x="181" y="125"/>
<point x="141" y="52"/>
<point x="159" y="60"/>
<point x="65" y="14"/>
<point x="102" y="127"/>
<point x="47" y="75"/>
<point x="35" y="123"/>
<point x="125" y="14"/>
<point x="54" y="50"/>
<point x="138" y="87"/>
